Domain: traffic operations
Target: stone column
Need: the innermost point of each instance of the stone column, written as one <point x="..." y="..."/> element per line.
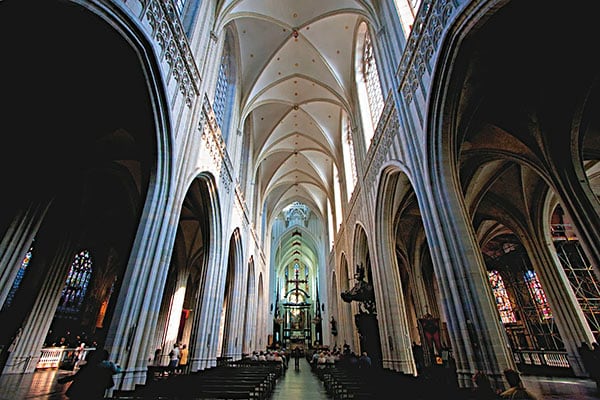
<point x="26" y="352"/>
<point x="15" y="244"/>
<point x="131" y="333"/>
<point x="396" y="345"/>
<point x="478" y="338"/>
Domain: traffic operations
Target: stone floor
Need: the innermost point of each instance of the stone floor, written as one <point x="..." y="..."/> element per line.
<point x="294" y="385"/>
<point x="301" y="384"/>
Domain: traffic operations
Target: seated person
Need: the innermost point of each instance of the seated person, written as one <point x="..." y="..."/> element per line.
<point x="516" y="390"/>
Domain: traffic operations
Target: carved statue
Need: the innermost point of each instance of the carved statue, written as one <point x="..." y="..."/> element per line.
<point x="361" y="292"/>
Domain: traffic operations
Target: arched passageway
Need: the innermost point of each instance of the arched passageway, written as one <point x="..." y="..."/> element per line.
<point x="76" y="164"/>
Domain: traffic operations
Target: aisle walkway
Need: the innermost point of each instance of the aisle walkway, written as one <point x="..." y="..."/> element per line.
<point x="299" y="385"/>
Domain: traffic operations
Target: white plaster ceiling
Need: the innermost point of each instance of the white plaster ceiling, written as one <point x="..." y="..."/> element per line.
<point x="295" y="92"/>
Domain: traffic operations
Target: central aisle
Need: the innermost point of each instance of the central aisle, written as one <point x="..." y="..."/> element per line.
<point x="299" y="385"/>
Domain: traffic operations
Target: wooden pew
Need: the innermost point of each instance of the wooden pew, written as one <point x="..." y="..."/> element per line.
<point x="231" y="380"/>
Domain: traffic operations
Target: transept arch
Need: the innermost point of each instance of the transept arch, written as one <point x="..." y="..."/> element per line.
<point x="494" y="148"/>
<point x="232" y="313"/>
<point x="250" y="311"/>
<point x="411" y="295"/>
<point x="91" y="167"/>
<point x="182" y="306"/>
<point x="263" y="316"/>
<point x="363" y="292"/>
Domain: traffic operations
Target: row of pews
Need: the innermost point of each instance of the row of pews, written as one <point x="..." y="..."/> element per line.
<point x="377" y="383"/>
<point x="242" y="379"/>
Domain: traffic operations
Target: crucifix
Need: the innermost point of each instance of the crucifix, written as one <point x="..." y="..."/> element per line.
<point x="296" y="281"/>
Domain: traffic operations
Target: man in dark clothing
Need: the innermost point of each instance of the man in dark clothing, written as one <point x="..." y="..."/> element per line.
<point x="93" y="378"/>
<point x="296" y="354"/>
<point x="364" y="361"/>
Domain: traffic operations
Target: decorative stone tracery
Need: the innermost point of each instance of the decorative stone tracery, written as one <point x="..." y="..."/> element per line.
<point x="169" y="34"/>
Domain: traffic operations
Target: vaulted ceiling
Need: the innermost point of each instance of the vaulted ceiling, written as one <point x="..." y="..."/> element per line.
<point x="296" y="61"/>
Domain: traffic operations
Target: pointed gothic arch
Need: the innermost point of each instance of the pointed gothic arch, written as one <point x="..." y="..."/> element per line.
<point x="100" y="167"/>
<point x="232" y="312"/>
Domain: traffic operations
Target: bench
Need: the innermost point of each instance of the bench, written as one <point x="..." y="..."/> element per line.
<point x="230" y="380"/>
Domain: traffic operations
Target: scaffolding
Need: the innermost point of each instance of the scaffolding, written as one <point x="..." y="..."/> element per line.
<point x="582" y="279"/>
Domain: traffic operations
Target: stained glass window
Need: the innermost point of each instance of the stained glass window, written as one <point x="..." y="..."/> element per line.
<point x="502" y="300"/>
<point x="538" y="295"/>
<point x="78" y="279"/>
<point x="18" y="278"/>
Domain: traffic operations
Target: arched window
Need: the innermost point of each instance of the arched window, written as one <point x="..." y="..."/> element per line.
<point x="502" y="300"/>
<point x="369" y="85"/>
<point x="225" y="89"/>
<point x="537" y="294"/>
<point x="371" y="78"/>
<point x="187" y="10"/>
<point x="350" y="173"/>
<point x="76" y="285"/>
<point x="407" y="11"/>
<point x="18" y="278"/>
<point x="179" y="6"/>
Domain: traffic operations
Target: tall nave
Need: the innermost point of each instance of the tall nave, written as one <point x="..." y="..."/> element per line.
<point x="414" y="179"/>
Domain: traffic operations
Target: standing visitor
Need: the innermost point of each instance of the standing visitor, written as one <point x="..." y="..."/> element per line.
<point x="364" y="361"/>
<point x="174" y="358"/>
<point x="79" y="355"/>
<point x="296" y="358"/>
<point x="183" y="359"/>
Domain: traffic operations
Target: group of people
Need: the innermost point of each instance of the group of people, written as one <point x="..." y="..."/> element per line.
<point x="178" y="359"/>
<point x="281" y="356"/>
<point x="346" y="358"/>
<point x="68" y="339"/>
<point x="483" y="388"/>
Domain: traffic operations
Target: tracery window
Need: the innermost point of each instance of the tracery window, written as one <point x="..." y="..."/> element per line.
<point x="225" y="90"/>
<point x="221" y="90"/>
<point x="179" y="6"/>
<point x="349" y="158"/>
<point x="371" y="78"/>
<point x="368" y="85"/>
<point x="503" y="303"/>
<point x="18" y="278"/>
<point x="407" y="10"/>
<point x="538" y="294"/>
<point x="76" y="284"/>
<point x="188" y="11"/>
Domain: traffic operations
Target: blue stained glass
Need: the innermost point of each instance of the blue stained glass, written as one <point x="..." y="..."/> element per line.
<point x="18" y="278"/>
<point x="538" y="294"/>
<point x="76" y="283"/>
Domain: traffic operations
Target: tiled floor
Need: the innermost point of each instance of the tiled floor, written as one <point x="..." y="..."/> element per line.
<point x="294" y="385"/>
